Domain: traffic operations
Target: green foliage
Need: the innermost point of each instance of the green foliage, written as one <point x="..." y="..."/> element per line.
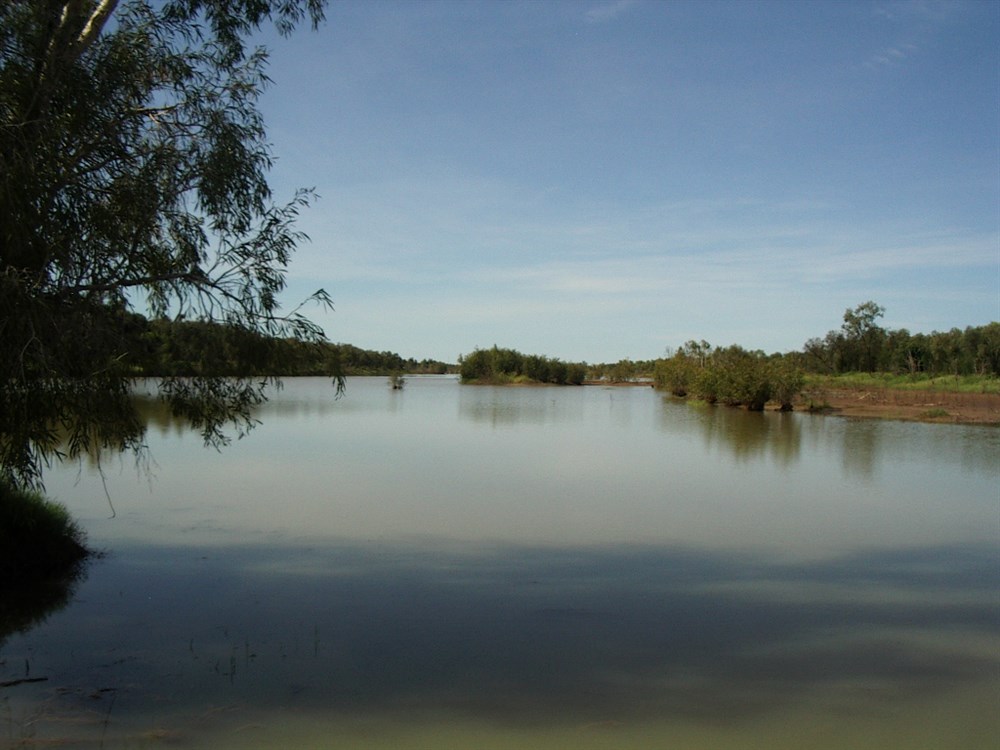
<point x="42" y="555"/>
<point x="576" y="372"/>
<point x="732" y="376"/>
<point x="37" y="536"/>
<point x="504" y="366"/>
<point x="862" y="346"/>
<point x="863" y="338"/>
<point x="624" y="371"/>
<point x="937" y="413"/>
<point x="906" y="382"/>
<point x="740" y="378"/>
<point x="679" y="373"/>
<point x="356" y="361"/>
<point x="185" y="349"/>
<point x="787" y="382"/>
<point x="133" y="164"/>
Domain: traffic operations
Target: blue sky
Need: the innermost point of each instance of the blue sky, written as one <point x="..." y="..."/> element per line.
<point x="601" y="180"/>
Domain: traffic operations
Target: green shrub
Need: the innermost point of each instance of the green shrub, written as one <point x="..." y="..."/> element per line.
<point x="37" y="536"/>
<point x="575" y="373"/>
<point x="677" y="374"/>
<point x="504" y="366"/>
<point x="744" y="380"/>
<point x="786" y="383"/>
<point x="706" y="385"/>
<point x="732" y="376"/>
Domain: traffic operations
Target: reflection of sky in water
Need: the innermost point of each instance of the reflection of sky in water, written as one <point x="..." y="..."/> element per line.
<point x="553" y="466"/>
<point x="528" y="636"/>
<point x="454" y="567"/>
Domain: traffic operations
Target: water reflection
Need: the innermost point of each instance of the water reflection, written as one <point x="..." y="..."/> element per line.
<point x="746" y="436"/>
<point x="560" y="466"/>
<point x="863" y="445"/>
<point x="534" y="637"/>
<point x="498" y="406"/>
<point x="24" y="604"/>
<point x="860" y="450"/>
<point x="455" y="567"/>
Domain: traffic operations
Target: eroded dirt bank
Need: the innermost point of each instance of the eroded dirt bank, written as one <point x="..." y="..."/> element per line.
<point x="889" y="403"/>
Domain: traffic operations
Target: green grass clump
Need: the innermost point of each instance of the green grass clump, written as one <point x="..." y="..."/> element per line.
<point x="37" y="537"/>
<point x="42" y="556"/>
<point x="935" y="414"/>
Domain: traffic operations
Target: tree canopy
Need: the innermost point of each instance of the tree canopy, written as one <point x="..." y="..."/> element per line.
<point x="500" y="365"/>
<point x="133" y="176"/>
<point x="861" y="345"/>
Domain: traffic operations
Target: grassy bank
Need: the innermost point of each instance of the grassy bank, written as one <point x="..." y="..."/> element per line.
<point x="42" y="556"/>
<point x="38" y="539"/>
<point x="889" y="381"/>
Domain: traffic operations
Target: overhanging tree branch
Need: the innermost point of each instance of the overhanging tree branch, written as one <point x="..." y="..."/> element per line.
<point x="133" y="169"/>
<point x="95" y="24"/>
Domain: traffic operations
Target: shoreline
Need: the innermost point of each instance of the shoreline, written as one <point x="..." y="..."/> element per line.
<point x="932" y="406"/>
<point x="944" y="407"/>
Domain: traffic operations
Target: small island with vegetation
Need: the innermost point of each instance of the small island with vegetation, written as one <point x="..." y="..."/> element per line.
<point x="497" y="366"/>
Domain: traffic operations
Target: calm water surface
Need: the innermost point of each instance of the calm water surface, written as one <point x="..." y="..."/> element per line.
<point x="471" y="567"/>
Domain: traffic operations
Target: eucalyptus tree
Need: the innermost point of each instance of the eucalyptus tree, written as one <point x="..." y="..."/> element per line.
<point x="863" y="336"/>
<point x="133" y="176"/>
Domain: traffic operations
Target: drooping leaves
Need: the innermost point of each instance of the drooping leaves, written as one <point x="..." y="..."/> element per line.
<point x="133" y="175"/>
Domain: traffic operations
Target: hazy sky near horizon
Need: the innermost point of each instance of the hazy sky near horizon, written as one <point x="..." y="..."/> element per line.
<point x="607" y="179"/>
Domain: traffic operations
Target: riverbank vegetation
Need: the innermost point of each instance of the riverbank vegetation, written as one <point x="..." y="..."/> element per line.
<point x="135" y="165"/>
<point x="989" y="384"/>
<point x="623" y="371"/>
<point x="42" y="559"/>
<point x="863" y="346"/>
<point x="186" y="348"/>
<point x="38" y="539"/>
<point x="732" y="376"/>
<point x="507" y="366"/>
<point x="861" y="356"/>
<point x="162" y="347"/>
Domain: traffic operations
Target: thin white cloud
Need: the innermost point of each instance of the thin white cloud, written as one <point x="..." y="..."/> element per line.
<point x="934" y="11"/>
<point x="891" y="56"/>
<point x="384" y="238"/>
<point x="913" y="21"/>
<point x="974" y="251"/>
<point x="762" y="266"/>
<point x="608" y="11"/>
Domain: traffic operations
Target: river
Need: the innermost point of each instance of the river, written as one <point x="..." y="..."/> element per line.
<point x="453" y="566"/>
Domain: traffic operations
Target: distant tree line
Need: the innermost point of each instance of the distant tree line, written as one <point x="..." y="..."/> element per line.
<point x="183" y="348"/>
<point x="862" y="345"/>
<point x="357" y="361"/>
<point x="497" y="365"/>
<point x="166" y="347"/>
<point x="622" y="371"/>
